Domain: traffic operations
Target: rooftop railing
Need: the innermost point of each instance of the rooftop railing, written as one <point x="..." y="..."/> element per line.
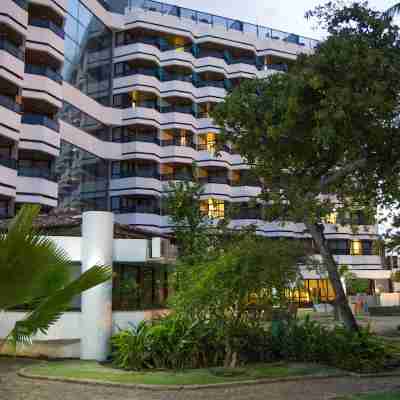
<point x="11" y="48"/>
<point x="262" y="32"/>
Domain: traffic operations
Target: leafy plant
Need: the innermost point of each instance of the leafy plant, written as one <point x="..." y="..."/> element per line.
<point x="35" y="272"/>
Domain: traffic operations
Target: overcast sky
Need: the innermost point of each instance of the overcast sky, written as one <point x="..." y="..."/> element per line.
<point x="286" y="15"/>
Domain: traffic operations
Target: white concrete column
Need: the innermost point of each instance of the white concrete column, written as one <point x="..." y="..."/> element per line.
<point x="97" y="249"/>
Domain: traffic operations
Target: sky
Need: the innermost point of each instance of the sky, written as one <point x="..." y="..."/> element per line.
<point x="285" y="15"/>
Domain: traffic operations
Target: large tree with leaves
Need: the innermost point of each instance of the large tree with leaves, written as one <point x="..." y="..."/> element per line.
<point x="36" y="273"/>
<point x="329" y="126"/>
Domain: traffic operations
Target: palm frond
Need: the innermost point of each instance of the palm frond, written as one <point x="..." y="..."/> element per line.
<point x="393" y="11"/>
<point x="51" y="308"/>
<point x="31" y="265"/>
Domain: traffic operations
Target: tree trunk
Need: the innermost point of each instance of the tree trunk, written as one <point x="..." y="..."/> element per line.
<point x="334" y="277"/>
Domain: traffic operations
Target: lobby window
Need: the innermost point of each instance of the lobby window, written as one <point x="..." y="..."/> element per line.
<point x="139" y="287"/>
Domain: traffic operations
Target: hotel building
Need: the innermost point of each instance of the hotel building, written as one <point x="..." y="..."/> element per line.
<point x="102" y="103"/>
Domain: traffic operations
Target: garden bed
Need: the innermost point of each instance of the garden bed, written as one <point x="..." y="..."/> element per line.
<point x="104" y="373"/>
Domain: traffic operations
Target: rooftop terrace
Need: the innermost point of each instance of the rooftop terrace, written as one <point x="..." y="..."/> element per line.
<point x="262" y="32"/>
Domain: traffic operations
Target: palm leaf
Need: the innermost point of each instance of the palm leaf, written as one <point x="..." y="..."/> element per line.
<point x="50" y="309"/>
<point x="31" y="265"/>
<point x="393" y="11"/>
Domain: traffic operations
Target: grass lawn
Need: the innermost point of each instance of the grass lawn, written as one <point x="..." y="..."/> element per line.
<point x="375" y="396"/>
<point x="96" y="371"/>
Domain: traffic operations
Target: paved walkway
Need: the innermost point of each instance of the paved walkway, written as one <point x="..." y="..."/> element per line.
<point x="13" y="387"/>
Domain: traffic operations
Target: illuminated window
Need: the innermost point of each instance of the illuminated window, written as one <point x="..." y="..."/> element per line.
<point x="216" y="208"/>
<point x="356" y="248"/>
<point x="331" y="218"/>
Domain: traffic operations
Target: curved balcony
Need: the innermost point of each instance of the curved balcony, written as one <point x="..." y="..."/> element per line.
<point x="47" y="24"/>
<point x="38" y="190"/>
<point x="10" y="104"/>
<point x="39" y="138"/>
<point x="43" y="35"/>
<point x="132" y="184"/>
<point x="59" y="6"/>
<point x="12" y="49"/>
<point x="8" y="177"/>
<point x="42" y="83"/>
<point x="43" y="71"/>
<point x="16" y="15"/>
<point x="12" y="59"/>
<point x="37" y="119"/>
<point x="136" y="218"/>
<point x="10" y="117"/>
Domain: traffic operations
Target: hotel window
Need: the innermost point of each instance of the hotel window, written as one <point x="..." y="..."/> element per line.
<point x="339" y="247"/>
<point x="356" y="248"/>
<point x="216" y="208"/>
<point x="331" y="218"/>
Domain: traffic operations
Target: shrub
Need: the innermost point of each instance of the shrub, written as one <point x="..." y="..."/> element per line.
<point x="338" y="347"/>
<point x="174" y="342"/>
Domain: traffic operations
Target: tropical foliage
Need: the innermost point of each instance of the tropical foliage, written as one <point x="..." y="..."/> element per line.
<point x="177" y="343"/>
<point x="328" y="126"/>
<point x="36" y="273"/>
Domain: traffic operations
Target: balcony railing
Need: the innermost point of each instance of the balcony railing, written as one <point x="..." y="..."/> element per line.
<point x="22" y="3"/>
<point x="138" y="209"/>
<point x="11" y="48"/>
<point x="36" y="172"/>
<point x="43" y="71"/>
<point x="9" y="103"/>
<point x="277" y="67"/>
<point x="222" y="180"/>
<point x="44" y="23"/>
<point x="177" y="177"/>
<point x="8" y="162"/>
<point x="137" y="138"/>
<point x="262" y="32"/>
<point x="37" y="119"/>
<point x="178" y="109"/>
<point x="136" y="174"/>
<point x="177" y="142"/>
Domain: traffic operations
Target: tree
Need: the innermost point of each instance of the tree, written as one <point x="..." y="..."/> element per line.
<point x="190" y="225"/>
<point x="36" y="273"/>
<point x="218" y="289"/>
<point x="329" y="126"/>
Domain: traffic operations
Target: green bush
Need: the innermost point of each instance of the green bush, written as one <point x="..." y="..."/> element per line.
<point x="178" y="343"/>
<point x="338" y="347"/>
<point x="174" y="342"/>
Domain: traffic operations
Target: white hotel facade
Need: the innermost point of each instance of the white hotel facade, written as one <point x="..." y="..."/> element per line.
<point x="103" y="103"/>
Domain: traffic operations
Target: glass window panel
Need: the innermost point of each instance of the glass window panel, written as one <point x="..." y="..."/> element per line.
<point x="84" y="15"/>
<point x="70" y="50"/>
<point x="71" y="27"/>
<point x="73" y="7"/>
